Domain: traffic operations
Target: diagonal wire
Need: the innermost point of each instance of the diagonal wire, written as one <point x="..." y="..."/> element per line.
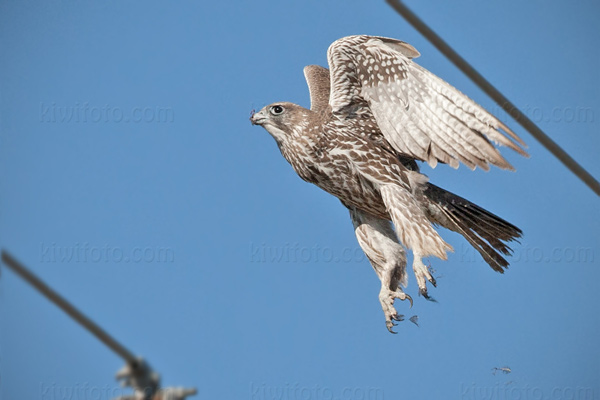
<point x="68" y="308"/>
<point x="498" y="97"/>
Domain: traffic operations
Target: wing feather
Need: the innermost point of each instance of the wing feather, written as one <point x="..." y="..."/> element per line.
<point x="418" y="113"/>
<point x="317" y="79"/>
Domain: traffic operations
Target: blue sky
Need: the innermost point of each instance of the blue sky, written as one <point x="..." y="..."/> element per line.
<point x="124" y="134"/>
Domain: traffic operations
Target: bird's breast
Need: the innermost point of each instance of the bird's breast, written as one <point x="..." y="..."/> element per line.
<point x="329" y="167"/>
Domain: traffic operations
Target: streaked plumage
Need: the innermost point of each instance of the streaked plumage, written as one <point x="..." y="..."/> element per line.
<point x="372" y="116"/>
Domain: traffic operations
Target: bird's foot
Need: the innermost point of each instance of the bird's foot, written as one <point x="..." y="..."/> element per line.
<point x="387" y="298"/>
<point x="423" y="274"/>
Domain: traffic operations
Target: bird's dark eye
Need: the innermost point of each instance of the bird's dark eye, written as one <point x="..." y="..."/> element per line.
<point x="276" y="110"/>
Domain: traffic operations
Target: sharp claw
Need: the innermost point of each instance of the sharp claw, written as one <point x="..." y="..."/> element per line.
<point x="398" y="317"/>
<point x="410" y="300"/>
<point x="433" y="281"/>
<point x="429" y="298"/>
<point x="390" y="325"/>
<point x="424" y="293"/>
<point x="406" y="297"/>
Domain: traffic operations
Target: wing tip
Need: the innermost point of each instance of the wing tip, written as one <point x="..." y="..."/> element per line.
<point x="513" y="135"/>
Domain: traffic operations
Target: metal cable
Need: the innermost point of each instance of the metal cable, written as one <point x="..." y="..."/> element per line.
<point x="498" y="97"/>
<point x="77" y="315"/>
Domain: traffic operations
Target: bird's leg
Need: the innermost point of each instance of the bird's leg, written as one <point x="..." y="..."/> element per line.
<point x="387" y="296"/>
<point x="422" y="274"/>
<point x="388" y="258"/>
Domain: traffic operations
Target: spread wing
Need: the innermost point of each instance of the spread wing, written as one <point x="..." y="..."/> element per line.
<point x="419" y="114"/>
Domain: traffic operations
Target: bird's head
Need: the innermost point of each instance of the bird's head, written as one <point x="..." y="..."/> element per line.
<point x="282" y="120"/>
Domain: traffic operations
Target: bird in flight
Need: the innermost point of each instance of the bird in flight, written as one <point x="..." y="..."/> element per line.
<point x="374" y="114"/>
<point x="504" y="370"/>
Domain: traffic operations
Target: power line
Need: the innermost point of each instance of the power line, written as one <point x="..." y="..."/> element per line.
<point x="498" y="97"/>
<point x="136" y="374"/>
<point x="63" y="304"/>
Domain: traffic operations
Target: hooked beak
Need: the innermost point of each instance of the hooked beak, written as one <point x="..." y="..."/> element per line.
<point x="257" y="118"/>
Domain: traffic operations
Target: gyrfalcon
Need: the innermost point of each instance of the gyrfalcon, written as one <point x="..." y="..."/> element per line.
<point x="374" y="114"/>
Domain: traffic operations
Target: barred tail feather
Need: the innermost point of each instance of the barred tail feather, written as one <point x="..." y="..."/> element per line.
<point x="486" y="232"/>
